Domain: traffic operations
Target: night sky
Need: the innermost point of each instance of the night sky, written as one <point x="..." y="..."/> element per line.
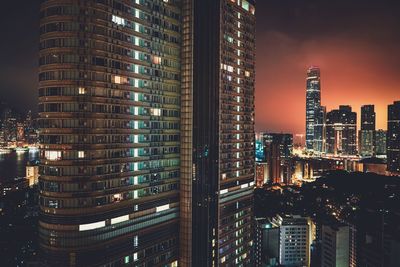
<point x="356" y="43"/>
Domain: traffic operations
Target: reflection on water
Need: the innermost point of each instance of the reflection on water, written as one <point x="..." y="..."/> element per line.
<point x="13" y="164"/>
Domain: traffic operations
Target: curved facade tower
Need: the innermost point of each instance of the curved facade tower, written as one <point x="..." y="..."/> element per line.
<point x="313" y="104"/>
<point x="109" y="103"/>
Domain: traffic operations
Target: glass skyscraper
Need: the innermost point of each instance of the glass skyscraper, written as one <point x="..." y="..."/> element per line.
<point x="313" y="104"/>
<point x="367" y="132"/>
<point x="341" y="132"/>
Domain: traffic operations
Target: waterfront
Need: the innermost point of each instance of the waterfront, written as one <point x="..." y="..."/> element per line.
<point x="13" y="164"/>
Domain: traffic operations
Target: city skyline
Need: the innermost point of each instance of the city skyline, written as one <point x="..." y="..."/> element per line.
<point x="361" y="56"/>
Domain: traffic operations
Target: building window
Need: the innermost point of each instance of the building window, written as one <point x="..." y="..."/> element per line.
<point x="118" y="20"/>
<point x="81" y="90"/>
<point x="81" y="154"/>
<point x="52" y="155"/>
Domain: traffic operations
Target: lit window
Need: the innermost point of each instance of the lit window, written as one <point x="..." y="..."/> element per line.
<point x="155" y="112"/>
<point x="81" y="90"/>
<point x="120" y="219"/>
<point x="81" y="154"/>
<point x="52" y="155"/>
<point x="162" y="208"/>
<point x="118" y="20"/>
<point x="91" y="226"/>
<point x="245" y="5"/>
<point x="156" y="60"/>
<point x="117" y="79"/>
<point x="247" y="73"/>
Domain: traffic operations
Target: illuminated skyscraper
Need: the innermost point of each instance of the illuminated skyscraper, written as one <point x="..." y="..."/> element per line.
<point x="313" y="104"/>
<point x="319" y="130"/>
<point x="341" y="131"/>
<point x="109" y="107"/>
<point x="367" y="132"/>
<point x="380" y="142"/>
<point x="393" y="138"/>
<point x="218" y="141"/>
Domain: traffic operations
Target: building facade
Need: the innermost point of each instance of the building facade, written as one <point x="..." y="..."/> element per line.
<point x="313" y="104"/>
<point x="319" y="130"/>
<point x="367" y="132"/>
<point x="393" y="138"/>
<point x="338" y="245"/>
<point x="341" y="132"/>
<point x="218" y="141"/>
<point x="109" y="114"/>
<point x="278" y="149"/>
<point x="295" y="238"/>
<point x="380" y="143"/>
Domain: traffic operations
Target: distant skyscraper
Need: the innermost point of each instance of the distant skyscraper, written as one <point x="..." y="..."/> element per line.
<point x="218" y="140"/>
<point x="367" y="132"/>
<point x="393" y="138"/>
<point x="380" y="142"/>
<point x="341" y="131"/>
<point x="319" y="130"/>
<point x="109" y="107"/>
<point x="313" y="104"/>
<point x="278" y="149"/>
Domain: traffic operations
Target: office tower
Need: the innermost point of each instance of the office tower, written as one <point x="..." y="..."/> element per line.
<point x="217" y="137"/>
<point x="341" y="130"/>
<point x="313" y="104"/>
<point x="380" y="142"/>
<point x="338" y="245"/>
<point x="393" y="138"/>
<point x="261" y="173"/>
<point x="296" y="234"/>
<point x="109" y="113"/>
<point x="319" y="130"/>
<point x="278" y="151"/>
<point x="367" y="132"/>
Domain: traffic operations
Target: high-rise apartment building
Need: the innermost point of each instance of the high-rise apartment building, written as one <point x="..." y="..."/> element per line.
<point x="313" y="104"/>
<point x="218" y="141"/>
<point x="393" y="138"/>
<point x="341" y="131"/>
<point x="109" y="107"/>
<point x="338" y="245"/>
<point x="146" y="111"/>
<point x="367" y="132"/>
<point x="296" y="234"/>
<point x="380" y="142"/>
